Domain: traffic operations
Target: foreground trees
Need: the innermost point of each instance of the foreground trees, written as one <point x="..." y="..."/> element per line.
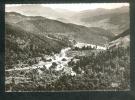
<point x="107" y="70"/>
<point x="104" y="70"/>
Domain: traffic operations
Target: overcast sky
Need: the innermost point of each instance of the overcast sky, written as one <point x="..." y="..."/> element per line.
<point x="78" y="6"/>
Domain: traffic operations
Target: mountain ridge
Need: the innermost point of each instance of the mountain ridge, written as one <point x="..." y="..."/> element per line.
<point x="45" y="25"/>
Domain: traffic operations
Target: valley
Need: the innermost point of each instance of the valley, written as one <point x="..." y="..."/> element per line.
<point x="70" y="62"/>
<point x="86" y="50"/>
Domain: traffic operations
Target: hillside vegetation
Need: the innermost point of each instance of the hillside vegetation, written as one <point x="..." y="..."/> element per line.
<point x="21" y="45"/>
<point x="41" y="25"/>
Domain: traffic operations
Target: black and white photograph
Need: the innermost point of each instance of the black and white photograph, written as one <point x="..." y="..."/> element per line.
<point x="67" y="47"/>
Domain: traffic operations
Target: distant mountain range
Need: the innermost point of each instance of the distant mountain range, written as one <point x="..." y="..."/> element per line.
<point x="42" y="25"/>
<point x="114" y="20"/>
<point x="38" y="10"/>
